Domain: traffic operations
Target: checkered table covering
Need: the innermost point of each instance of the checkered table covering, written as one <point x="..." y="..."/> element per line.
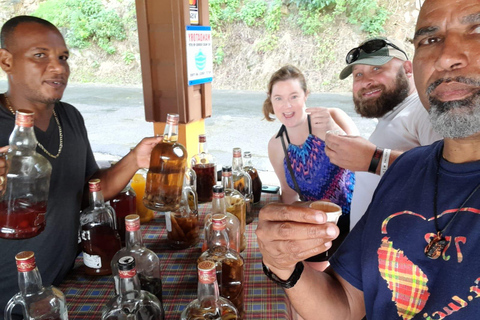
<point x="86" y="295"/>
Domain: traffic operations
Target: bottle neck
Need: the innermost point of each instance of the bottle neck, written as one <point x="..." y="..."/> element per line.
<point x="129" y="284"/>
<point x="218" y="205"/>
<point x="218" y="238"/>
<point x="227" y="182"/>
<point x="133" y="238"/>
<point x="97" y="200"/>
<point x="23" y="138"/>
<point x="248" y="162"/>
<point x="237" y="164"/>
<point x="208" y="294"/>
<point x="170" y="134"/>
<point x="30" y="282"/>
<point x="202" y="147"/>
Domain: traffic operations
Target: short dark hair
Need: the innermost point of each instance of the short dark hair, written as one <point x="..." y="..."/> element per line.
<point x="9" y="27"/>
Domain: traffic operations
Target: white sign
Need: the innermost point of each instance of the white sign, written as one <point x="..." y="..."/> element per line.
<point x="199" y="54"/>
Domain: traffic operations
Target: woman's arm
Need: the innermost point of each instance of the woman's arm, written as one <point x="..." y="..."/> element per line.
<point x="276" y="156"/>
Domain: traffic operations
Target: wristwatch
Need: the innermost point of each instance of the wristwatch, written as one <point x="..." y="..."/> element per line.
<point x="290" y="282"/>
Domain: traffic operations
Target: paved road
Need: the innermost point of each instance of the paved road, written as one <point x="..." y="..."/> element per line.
<point x="115" y="120"/>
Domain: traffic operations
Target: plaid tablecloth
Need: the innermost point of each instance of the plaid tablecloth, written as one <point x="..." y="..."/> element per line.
<point x="86" y="295"/>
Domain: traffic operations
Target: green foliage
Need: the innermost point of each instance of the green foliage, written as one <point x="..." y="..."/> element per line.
<point x="128" y="57"/>
<point x="268" y="43"/>
<point x="273" y="16"/>
<point x="252" y="11"/>
<point x="84" y="21"/>
<point x="219" y="56"/>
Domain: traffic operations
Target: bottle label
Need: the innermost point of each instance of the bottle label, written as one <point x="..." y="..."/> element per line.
<point x="168" y="221"/>
<point x="26" y="265"/>
<point x="127" y="274"/>
<point x="92" y="261"/>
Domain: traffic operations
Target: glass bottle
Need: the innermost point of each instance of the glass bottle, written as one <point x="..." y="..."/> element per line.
<point x="132" y="302"/>
<point x="123" y="204"/>
<point x="209" y="304"/>
<point x="205" y="167"/>
<point x="242" y="182"/>
<point x="191" y="182"/>
<point x="147" y="262"/>
<point x="38" y="302"/>
<point x="163" y="190"/>
<point x="235" y="203"/>
<point x="100" y="239"/>
<point x="183" y="230"/>
<point x="229" y="263"/>
<point x="256" y="181"/>
<point x="24" y="201"/>
<point x="233" y="224"/>
<point x="138" y="185"/>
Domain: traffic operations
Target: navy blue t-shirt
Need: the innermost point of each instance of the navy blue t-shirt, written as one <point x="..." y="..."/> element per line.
<point x="384" y="254"/>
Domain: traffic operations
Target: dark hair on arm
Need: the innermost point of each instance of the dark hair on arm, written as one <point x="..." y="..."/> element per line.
<point x="286" y="72"/>
<point x="9" y="26"/>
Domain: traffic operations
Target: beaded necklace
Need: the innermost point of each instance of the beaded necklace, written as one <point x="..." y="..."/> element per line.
<point x="60" y="132"/>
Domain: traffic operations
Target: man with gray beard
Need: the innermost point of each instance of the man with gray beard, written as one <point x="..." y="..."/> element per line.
<point x="383" y="88"/>
<point x="414" y="254"/>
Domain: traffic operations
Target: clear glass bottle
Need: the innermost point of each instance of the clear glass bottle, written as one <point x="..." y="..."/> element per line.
<point x="183" y="230"/>
<point x="163" y="190"/>
<point x="138" y="184"/>
<point x="256" y="181"/>
<point x="233" y="224"/>
<point x="23" y="203"/>
<point x="38" y="302"/>
<point x="229" y="263"/>
<point x="132" y="302"/>
<point x="147" y="262"/>
<point x="205" y="167"/>
<point x="242" y="182"/>
<point x="100" y="239"/>
<point x="191" y="182"/>
<point x="209" y="304"/>
<point x="235" y="204"/>
<point x="124" y="203"/>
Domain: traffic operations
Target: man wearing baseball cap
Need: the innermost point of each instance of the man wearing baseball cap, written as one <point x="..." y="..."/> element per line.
<point x="383" y="88"/>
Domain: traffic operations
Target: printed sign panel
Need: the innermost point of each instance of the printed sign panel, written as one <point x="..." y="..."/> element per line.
<point x="199" y="54"/>
<point x="193" y="11"/>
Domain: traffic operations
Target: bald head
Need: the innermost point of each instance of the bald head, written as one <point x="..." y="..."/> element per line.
<point x="6" y="34"/>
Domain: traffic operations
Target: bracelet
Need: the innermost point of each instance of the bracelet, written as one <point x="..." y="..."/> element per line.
<point x="375" y="160"/>
<point x="385" y="161"/>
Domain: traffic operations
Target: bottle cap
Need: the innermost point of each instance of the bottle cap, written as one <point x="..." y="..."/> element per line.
<point x="237" y="152"/>
<point x="202" y="138"/>
<point x="94" y="185"/>
<point x="247" y="154"/>
<point x="172" y="118"/>
<point x="24" y="118"/>
<point x="126" y="267"/>
<point x="207" y="272"/>
<point x="218" y="191"/>
<point x="132" y="222"/>
<point x="25" y="261"/>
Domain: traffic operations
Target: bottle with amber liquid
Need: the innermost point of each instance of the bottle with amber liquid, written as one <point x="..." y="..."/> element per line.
<point x="138" y="184"/>
<point x="229" y="263"/>
<point x="124" y="204"/>
<point x="163" y="190"/>
<point x="23" y="203"/>
<point x="256" y="182"/>
<point x="38" y="302"/>
<point x="182" y="226"/>
<point x="233" y="224"/>
<point x="235" y="203"/>
<point x="147" y="262"/>
<point x="100" y="239"/>
<point x="209" y="304"/>
<point x="132" y="302"/>
<point x="242" y="182"/>
<point x="205" y="167"/>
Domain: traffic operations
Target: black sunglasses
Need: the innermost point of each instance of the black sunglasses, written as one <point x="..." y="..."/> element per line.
<point x="370" y="47"/>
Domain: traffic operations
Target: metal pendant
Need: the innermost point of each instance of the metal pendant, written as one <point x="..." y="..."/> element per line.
<point x="435" y="247"/>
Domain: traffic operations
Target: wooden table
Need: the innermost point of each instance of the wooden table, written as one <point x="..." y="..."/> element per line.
<point x="86" y="295"/>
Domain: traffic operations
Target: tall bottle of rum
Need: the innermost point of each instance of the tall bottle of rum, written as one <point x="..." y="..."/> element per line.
<point x="23" y="202"/>
<point x="163" y="190"/>
<point x="256" y="181"/>
<point x="229" y="263"/>
<point x="233" y="224"/>
<point x="147" y="262"/>
<point x="235" y="203"/>
<point x="38" y="302"/>
<point x="209" y="304"/>
<point x="205" y="167"/>
<point x="138" y="183"/>
<point x="124" y="203"/>
<point x="242" y="182"/>
<point x="100" y="239"/>
<point x="132" y="302"/>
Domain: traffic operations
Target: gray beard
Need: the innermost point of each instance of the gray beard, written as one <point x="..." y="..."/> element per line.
<point x="455" y="119"/>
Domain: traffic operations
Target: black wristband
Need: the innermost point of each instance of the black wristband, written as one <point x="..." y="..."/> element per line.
<point x="377" y="155"/>
<point x="290" y="282"/>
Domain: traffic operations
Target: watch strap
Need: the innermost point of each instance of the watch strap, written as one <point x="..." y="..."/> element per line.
<point x="290" y="282"/>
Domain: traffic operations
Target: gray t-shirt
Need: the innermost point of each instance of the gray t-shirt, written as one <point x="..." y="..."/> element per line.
<point x="56" y="247"/>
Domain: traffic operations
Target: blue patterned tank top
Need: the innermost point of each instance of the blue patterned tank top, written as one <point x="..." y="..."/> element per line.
<point x="316" y="176"/>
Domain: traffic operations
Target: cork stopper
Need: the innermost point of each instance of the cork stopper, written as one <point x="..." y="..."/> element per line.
<point x="206" y="272"/>
<point x="202" y="138"/>
<point x="132" y="222"/>
<point x="172" y="119"/>
<point x="237" y="152"/>
<point x="94" y="185"/>
<point x="24" y="118"/>
<point x="218" y="192"/>
<point x="25" y="261"/>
